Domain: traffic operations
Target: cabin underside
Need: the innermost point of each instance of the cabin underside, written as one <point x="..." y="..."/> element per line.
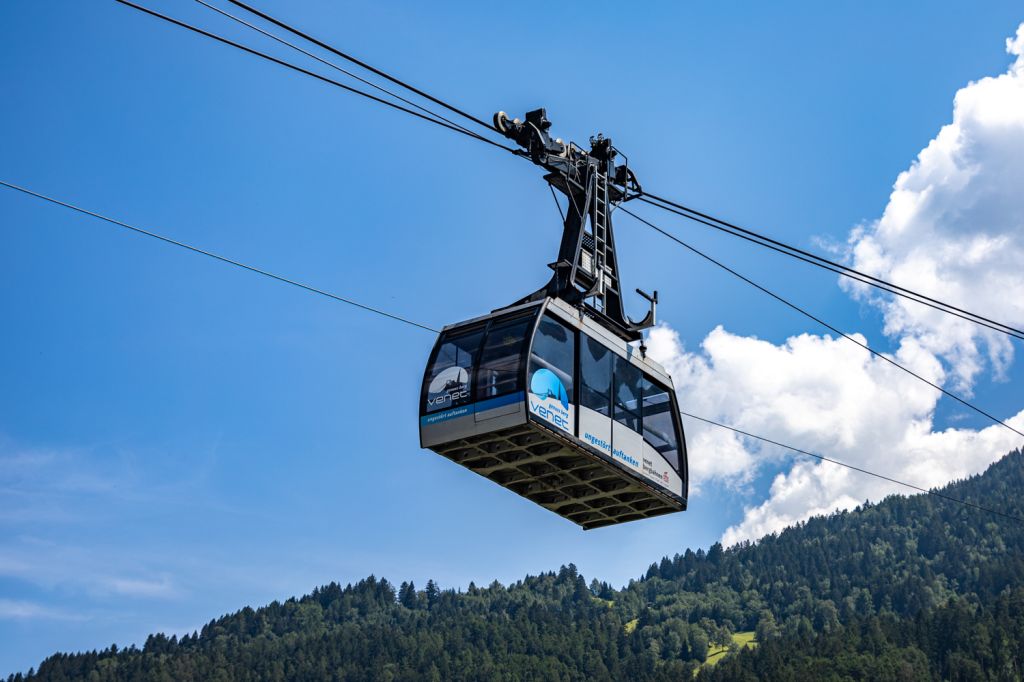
<point x="534" y="463"/>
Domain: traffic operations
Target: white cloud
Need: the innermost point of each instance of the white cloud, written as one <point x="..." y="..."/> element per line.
<point x="140" y="587"/>
<point x="85" y="570"/>
<point x="54" y="499"/>
<point x="926" y="459"/>
<point x="827" y="396"/>
<point x="954" y="229"/>
<point x="13" y="609"/>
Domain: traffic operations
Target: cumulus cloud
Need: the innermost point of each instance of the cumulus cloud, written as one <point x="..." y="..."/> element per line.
<point x="924" y="458"/>
<point x="141" y="587"/>
<point x="83" y="570"/>
<point x="954" y="229"/>
<point x="825" y="395"/>
<point x="15" y="609"/>
<point x="819" y="391"/>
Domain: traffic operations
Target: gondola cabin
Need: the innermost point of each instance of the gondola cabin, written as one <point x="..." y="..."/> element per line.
<point x="553" y="397"/>
<point x="545" y="402"/>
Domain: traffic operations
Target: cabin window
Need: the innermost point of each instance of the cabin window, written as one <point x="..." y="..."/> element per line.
<point x="449" y="382"/>
<point x="659" y="426"/>
<point x="626" y="395"/>
<point x="501" y="358"/>
<point x="554" y="349"/>
<point x="595" y="376"/>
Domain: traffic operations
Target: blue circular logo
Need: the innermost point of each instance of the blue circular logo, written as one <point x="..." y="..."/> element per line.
<point x="546" y="384"/>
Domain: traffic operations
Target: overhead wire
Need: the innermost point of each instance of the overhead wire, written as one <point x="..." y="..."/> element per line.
<point x="313" y="74"/>
<point x="656" y="200"/>
<point x="826" y="264"/>
<point x="457" y="128"/>
<point x="815" y="318"/>
<point x="761" y="239"/>
<point x="398" y="318"/>
<point x="1007" y="331"/>
<point x="334" y="66"/>
<point x="218" y="257"/>
<point x="358" y="62"/>
<point x="647" y="197"/>
<point x="929" y="491"/>
<point x="703" y="217"/>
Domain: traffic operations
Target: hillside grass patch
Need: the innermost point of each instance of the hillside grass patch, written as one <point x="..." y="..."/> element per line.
<point x="742" y="640"/>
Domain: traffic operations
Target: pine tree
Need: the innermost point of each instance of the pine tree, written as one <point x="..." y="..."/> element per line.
<point x="433" y="593"/>
<point x="407" y="596"/>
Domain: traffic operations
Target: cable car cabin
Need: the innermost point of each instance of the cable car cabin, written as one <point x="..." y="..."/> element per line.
<point x="546" y="402"/>
<point x="549" y="397"/>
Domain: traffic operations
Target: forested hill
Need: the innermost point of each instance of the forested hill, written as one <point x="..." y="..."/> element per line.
<point x="908" y="589"/>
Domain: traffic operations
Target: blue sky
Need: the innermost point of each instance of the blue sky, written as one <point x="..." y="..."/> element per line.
<point x="179" y="439"/>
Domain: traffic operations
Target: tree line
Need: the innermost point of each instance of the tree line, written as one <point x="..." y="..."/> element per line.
<point x="911" y="588"/>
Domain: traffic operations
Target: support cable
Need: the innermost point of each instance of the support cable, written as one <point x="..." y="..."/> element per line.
<point x="826" y="264"/>
<point x="658" y="229"/>
<point x="334" y="66"/>
<point x="350" y="58"/>
<point x="763" y="240"/>
<point x="313" y="74"/>
<point x="398" y="318"/>
<point x="652" y="199"/>
<point x="933" y="492"/>
<point x="215" y="256"/>
<point x="820" y="321"/>
<point x="1008" y="331"/>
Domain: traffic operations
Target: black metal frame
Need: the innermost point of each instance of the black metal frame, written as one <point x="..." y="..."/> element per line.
<point x="586" y="273"/>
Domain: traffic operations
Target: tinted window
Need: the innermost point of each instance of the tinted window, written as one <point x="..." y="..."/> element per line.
<point x="554" y="348"/>
<point x="626" y="395"/>
<point x="595" y="376"/>
<point x="659" y="427"/>
<point x="448" y="383"/>
<point x="501" y="358"/>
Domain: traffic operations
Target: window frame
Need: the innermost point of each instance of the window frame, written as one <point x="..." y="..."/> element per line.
<point x="676" y="425"/>
<point x="609" y="358"/>
<point x="531" y="317"/>
<point x="572" y="391"/>
<point x="638" y="411"/>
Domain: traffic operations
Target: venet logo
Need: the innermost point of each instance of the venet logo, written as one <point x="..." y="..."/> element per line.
<point x="448" y="398"/>
<point x="546" y="385"/>
<point x="448" y="386"/>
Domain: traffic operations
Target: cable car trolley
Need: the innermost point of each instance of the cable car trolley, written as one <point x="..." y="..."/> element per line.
<point x="553" y="397"/>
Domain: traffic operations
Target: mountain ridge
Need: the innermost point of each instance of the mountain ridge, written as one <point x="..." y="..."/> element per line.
<point x="855" y="582"/>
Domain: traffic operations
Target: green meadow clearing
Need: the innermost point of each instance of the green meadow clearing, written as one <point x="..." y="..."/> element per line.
<point x="741" y="639"/>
